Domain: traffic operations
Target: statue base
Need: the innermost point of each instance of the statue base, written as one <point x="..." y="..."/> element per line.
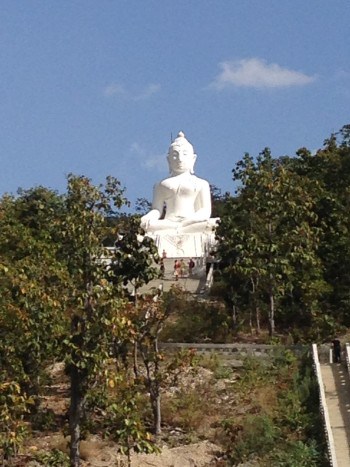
<point x="190" y="245"/>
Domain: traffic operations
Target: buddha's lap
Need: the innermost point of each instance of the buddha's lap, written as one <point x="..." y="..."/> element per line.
<point x="170" y="227"/>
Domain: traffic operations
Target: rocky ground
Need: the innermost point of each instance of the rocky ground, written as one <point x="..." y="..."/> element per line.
<point x="95" y="452"/>
<point x="191" y="436"/>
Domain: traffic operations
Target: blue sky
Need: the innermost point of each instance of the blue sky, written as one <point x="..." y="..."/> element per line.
<point x="97" y="87"/>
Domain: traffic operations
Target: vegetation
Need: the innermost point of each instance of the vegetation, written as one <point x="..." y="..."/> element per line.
<point x="281" y="427"/>
<point x="284" y="251"/>
<point x="61" y="294"/>
<point x="265" y="411"/>
<point x="284" y="241"/>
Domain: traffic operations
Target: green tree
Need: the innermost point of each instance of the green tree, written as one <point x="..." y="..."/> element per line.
<point x="30" y="309"/>
<point x="134" y="258"/>
<point x="269" y="237"/>
<point x="329" y="168"/>
<point x="93" y="296"/>
<point x="148" y="320"/>
<point x="31" y="318"/>
<point x="59" y="284"/>
<point x="217" y="201"/>
<point x="91" y="301"/>
<point x="142" y="206"/>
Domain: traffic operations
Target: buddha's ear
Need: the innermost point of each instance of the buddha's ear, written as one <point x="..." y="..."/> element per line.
<point x="194" y="161"/>
<point x="168" y="159"/>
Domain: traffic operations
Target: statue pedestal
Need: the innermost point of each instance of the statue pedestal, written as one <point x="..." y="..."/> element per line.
<point x="190" y="245"/>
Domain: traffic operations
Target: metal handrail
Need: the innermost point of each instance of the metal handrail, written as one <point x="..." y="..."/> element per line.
<point x="324" y="409"/>
<point x="347" y="356"/>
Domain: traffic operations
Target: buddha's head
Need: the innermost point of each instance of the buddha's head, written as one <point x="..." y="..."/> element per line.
<point x="181" y="156"/>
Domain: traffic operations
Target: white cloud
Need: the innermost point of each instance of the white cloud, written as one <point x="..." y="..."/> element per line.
<point x="114" y="89"/>
<point x="136" y="148"/>
<point x="256" y="73"/>
<point x="147" y="92"/>
<point x="155" y="162"/>
<point x="118" y="90"/>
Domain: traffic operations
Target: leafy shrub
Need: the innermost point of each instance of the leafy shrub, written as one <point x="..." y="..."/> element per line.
<point x="43" y="420"/>
<point x="185" y="410"/>
<point x="130" y="431"/>
<point x="215" y="363"/>
<point x="14" y="404"/>
<point x="195" y="321"/>
<point x="256" y="372"/>
<point x="257" y="435"/>
<point x="298" y="454"/>
<point x="209" y="361"/>
<point x="281" y="426"/>
<point x="54" y="458"/>
<point x="222" y="372"/>
<point x="186" y="407"/>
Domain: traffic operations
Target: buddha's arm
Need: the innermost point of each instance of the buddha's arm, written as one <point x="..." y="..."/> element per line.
<point x="202" y="205"/>
<point x="157" y="207"/>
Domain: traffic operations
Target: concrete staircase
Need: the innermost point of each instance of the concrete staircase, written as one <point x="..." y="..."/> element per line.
<point x="336" y="383"/>
<point x="195" y="284"/>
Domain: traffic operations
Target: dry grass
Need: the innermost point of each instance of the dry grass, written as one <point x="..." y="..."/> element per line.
<point x="196" y="408"/>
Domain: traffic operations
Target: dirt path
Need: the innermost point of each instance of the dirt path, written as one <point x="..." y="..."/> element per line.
<point x="97" y="453"/>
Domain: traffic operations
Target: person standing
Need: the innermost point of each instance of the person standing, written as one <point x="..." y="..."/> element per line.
<point x="336" y="350"/>
<point x="190" y="266"/>
<point x="177" y="266"/>
<point x="182" y="268"/>
<point x="162" y="268"/>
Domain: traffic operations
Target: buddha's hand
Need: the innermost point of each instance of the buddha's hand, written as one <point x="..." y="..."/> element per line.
<point x="149" y="217"/>
<point x="192" y="221"/>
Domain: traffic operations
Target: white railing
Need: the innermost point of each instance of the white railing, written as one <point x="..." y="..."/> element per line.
<point x="347" y="357"/>
<point x="324" y="410"/>
<point x="210" y="277"/>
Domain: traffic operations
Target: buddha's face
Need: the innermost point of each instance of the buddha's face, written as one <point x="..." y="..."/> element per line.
<point x="181" y="159"/>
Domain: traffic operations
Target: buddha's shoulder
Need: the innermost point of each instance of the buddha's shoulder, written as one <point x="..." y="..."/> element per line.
<point x="196" y="181"/>
<point x="201" y="180"/>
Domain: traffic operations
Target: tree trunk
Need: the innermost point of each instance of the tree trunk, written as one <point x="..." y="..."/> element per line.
<point x="75" y="416"/>
<point x="234" y="317"/>
<point x="255" y="308"/>
<point x="77" y="393"/>
<point x="234" y="311"/>
<point x="257" y="317"/>
<point x="135" y="363"/>
<point x="272" y="315"/>
<point x="271" y="288"/>
<point x="156" y="400"/>
<point x="158" y="419"/>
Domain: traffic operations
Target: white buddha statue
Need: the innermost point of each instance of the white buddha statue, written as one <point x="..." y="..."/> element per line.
<point x="186" y="197"/>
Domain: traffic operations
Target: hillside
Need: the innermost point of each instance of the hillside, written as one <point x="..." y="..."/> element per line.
<point x="215" y="413"/>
